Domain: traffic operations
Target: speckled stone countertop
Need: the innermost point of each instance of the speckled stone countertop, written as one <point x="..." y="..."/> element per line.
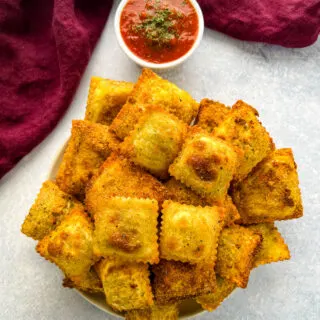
<point x="283" y="84"/>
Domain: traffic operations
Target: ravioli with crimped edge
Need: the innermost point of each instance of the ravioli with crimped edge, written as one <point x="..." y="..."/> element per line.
<point x="271" y="191"/>
<point x="236" y="251"/>
<point x="206" y="164"/>
<point x="70" y="246"/>
<point x="155" y="141"/>
<point x="126" y="284"/>
<point x="189" y="233"/>
<point x="105" y="99"/>
<point x="127" y="228"/>
<point x="175" y="280"/>
<point x="89" y="145"/>
<point x="49" y="208"/>
<point x="152" y="89"/>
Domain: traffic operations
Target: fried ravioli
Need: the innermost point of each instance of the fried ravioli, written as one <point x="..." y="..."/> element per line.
<point x="236" y="251"/>
<point x="211" y="114"/>
<point x="271" y="191"/>
<point x="178" y="192"/>
<point x="244" y="131"/>
<point x="205" y="164"/>
<point x="273" y="247"/>
<point x="126" y="228"/>
<point x="90" y="144"/>
<point x="174" y="280"/>
<point x="155" y="141"/>
<point x="69" y="246"/>
<point x="189" y="233"/>
<point x="126" y="284"/>
<point x="89" y="282"/>
<point x="119" y="177"/>
<point x="106" y="98"/>
<point x="50" y="207"/>
<point x="213" y="300"/>
<point x="156" y="312"/>
<point x="152" y="89"/>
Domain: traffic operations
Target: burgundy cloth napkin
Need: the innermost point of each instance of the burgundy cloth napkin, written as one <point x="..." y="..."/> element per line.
<point x="45" y="46"/>
<point x="289" y="23"/>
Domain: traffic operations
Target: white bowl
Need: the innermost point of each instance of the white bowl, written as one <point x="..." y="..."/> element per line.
<point x="151" y="65"/>
<point x="188" y="308"/>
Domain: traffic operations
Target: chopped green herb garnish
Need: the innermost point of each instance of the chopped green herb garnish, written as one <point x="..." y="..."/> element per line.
<point x="158" y="27"/>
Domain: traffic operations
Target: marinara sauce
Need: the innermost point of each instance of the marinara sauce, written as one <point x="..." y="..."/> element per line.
<point x="159" y="31"/>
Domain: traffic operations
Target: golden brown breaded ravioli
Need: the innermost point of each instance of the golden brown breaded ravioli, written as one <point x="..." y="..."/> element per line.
<point x="178" y="192"/>
<point x="155" y="141"/>
<point x="90" y="144"/>
<point x="69" y="246"/>
<point x="236" y="251"/>
<point x="49" y="208"/>
<point x="273" y="247"/>
<point x="174" y="280"/>
<point x="211" y="114"/>
<point x="242" y="129"/>
<point x="213" y="300"/>
<point x="126" y="228"/>
<point x="119" y="177"/>
<point x="271" y="191"/>
<point x="152" y="89"/>
<point x="156" y="312"/>
<point x="189" y="233"/>
<point x="106" y="98"/>
<point x="89" y="282"/>
<point x="126" y="284"/>
<point x="206" y="164"/>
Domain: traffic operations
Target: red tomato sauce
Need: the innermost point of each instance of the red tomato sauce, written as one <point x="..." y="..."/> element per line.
<point x="159" y="31"/>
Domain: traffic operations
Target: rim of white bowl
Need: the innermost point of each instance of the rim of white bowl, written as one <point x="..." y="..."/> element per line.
<point x="151" y="65"/>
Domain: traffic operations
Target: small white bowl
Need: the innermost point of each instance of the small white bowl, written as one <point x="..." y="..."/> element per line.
<point x="151" y="65"/>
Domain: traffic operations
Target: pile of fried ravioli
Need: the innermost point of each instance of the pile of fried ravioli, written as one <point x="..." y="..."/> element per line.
<point x="150" y="210"/>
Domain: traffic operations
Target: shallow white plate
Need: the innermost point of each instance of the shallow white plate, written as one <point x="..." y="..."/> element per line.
<point x="188" y="308"/>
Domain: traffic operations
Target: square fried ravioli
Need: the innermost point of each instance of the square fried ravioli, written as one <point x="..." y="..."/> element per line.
<point x="243" y="130"/>
<point x="205" y="164"/>
<point x="90" y="144"/>
<point x="89" y="282"/>
<point x="119" y="177"/>
<point x="70" y="246"/>
<point x="271" y="191"/>
<point x="178" y="192"/>
<point x="49" y="208"/>
<point x="236" y="251"/>
<point x="273" y="247"/>
<point x="155" y="141"/>
<point x="174" y="280"/>
<point x="127" y="228"/>
<point x="156" y="312"/>
<point x="189" y="233"/>
<point x="211" y="114"/>
<point x="152" y="89"/>
<point x="106" y="98"/>
<point x="126" y="284"/>
<point x="213" y="300"/>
